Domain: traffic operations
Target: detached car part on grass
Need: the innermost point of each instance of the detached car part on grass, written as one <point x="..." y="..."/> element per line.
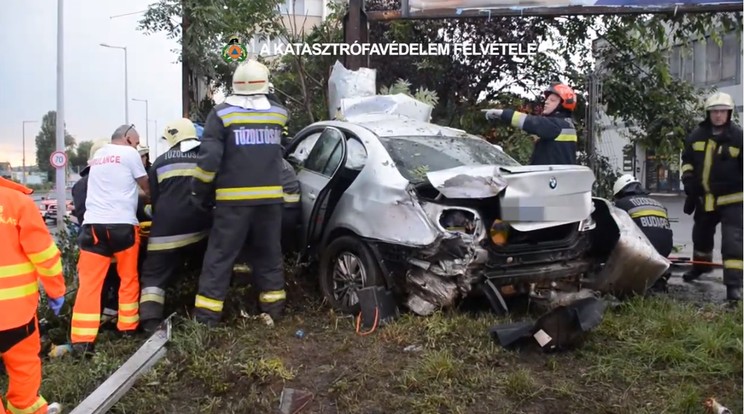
<point x="436" y="214"/>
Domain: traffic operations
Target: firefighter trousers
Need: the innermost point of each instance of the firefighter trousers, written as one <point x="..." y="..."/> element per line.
<point x="99" y="243"/>
<point x="110" y="292"/>
<point x="703" y="234"/>
<point x="159" y="271"/>
<point x="234" y="226"/>
<point x="20" y="348"/>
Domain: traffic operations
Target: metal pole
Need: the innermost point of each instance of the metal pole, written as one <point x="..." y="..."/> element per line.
<point x="147" y="120"/>
<point x="23" y="172"/>
<point x="60" y="121"/>
<point x="126" y="87"/>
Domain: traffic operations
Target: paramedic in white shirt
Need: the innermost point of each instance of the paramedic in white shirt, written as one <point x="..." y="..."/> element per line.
<point x="110" y="230"/>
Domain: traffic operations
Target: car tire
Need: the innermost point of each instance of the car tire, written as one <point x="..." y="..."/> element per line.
<point x="341" y="254"/>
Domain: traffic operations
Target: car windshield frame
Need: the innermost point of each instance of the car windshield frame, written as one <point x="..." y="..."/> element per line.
<point x="439" y="154"/>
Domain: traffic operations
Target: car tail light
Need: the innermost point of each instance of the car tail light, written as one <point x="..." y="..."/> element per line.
<point x="499" y="232"/>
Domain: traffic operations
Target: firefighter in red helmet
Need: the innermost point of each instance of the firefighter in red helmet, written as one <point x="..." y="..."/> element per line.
<point x="556" y="132"/>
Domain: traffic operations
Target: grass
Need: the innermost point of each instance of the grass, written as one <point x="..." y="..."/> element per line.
<point x="649" y="355"/>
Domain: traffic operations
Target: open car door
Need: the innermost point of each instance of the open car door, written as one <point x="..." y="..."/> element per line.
<point x="317" y="178"/>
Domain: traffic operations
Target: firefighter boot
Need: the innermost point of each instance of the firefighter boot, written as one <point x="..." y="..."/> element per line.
<point x="733" y="294"/>
<point x="54" y="408"/>
<point x="692" y="274"/>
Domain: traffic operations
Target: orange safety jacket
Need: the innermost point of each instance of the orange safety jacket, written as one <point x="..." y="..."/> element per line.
<point x="29" y="256"/>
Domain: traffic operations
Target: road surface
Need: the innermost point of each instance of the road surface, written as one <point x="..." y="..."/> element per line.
<point x="710" y="288"/>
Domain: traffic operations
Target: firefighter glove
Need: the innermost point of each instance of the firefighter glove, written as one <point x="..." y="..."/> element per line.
<point x="494" y="114"/>
<point x="56" y="304"/>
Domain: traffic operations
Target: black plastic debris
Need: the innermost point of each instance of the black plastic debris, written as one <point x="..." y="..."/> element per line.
<point x="378" y="307"/>
<point x="563" y="328"/>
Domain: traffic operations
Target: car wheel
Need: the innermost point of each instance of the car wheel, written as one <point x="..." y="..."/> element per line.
<point x="346" y="266"/>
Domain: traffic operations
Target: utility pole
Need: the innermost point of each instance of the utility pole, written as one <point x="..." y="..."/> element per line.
<point x="126" y="80"/>
<point x="23" y="171"/>
<point x="60" y="121"/>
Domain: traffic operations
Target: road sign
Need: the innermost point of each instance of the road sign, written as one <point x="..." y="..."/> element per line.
<point x="58" y="159"/>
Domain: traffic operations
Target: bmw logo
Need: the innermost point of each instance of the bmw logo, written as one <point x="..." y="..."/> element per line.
<point x="553" y="183"/>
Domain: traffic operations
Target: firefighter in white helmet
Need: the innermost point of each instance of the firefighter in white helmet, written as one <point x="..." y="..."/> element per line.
<point x="179" y="229"/>
<point x="240" y="162"/>
<point x="648" y="214"/>
<point x="711" y="174"/>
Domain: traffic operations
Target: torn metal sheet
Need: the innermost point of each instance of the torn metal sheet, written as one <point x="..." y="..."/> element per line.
<point x="114" y="388"/>
<point x="292" y="400"/>
<point x="633" y="265"/>
<point x="469" y="181"/>
<point x="436" y="291"/>
<point x="398" y="105"/>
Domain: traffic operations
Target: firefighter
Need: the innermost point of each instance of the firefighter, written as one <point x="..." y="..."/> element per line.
<point x="240" y="162"/>
<point x="712" y="177"/>
<point x="179" y="229"/>
<point x="110" y="230"/>
<point x="648" y="214"/>
<point x="30" y="257"/>
<point x="109" y="296"/>
<point x="555" y="130"/>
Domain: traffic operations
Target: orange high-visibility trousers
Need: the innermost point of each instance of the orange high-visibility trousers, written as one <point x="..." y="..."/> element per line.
<point x="23" y="365"/>
<point x="92" y="270"/>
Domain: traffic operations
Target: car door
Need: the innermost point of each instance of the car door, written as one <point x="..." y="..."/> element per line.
<point x="315" y="177"/>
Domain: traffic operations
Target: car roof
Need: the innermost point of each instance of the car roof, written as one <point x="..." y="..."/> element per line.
<point x="392" y="126"/>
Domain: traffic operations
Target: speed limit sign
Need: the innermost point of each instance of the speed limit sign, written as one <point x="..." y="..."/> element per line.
<point x="58" y="159"/>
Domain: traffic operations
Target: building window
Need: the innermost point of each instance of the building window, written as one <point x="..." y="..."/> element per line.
<point x="707" y="63"/>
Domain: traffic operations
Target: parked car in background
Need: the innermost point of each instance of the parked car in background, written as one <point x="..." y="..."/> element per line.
<point x="48" y="206"/>
<point x="436" y="214"/>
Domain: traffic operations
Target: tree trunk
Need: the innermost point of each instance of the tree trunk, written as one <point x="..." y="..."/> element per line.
<point x="185" y="69"/>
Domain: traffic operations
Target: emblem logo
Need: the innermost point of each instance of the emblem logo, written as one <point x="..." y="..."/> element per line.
<point x="553" y="183"/>
<point x="234" y="51"/>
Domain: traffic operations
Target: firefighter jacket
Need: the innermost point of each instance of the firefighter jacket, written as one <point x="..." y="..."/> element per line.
<point x="241" y="156"/>
<point x="290" y="185"/>
<point x="29" y="257"/>
<point x="651" y="217"/>
<point x="712" y="164"/>
<point x="176" y="222"/>
<point x="557" y="133"/>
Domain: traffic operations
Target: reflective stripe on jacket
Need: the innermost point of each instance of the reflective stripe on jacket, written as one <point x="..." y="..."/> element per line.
<point x="557" y="133"/>
<point x="176" y="222"/>
<point x="29" y="256"/>
<point x="290" y="185"/>
<point x="241" y="156"/>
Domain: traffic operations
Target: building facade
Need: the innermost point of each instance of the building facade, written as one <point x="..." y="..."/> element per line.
<point x="704" y="64"/>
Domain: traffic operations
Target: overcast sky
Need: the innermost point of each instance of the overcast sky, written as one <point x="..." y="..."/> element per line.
<point x="93" y="75"/>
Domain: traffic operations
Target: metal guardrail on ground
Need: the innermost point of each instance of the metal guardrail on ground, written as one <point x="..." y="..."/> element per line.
<point x="114" y="388"/>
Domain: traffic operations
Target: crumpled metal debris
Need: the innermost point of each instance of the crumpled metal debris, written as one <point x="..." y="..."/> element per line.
<point x="714" y="407"/>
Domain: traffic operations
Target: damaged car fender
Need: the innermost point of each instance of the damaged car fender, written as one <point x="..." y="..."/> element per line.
<point x="631" y="263"/>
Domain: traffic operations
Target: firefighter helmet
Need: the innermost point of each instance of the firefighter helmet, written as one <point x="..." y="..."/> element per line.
<point x="143" y="150"/>
<point x="567" y="95"/>
<point x="622" y="182"/>
<point x="179" y="130"/>
<point x="251" y="78"/>
<point x="96" y="146"/>
<point x="719" y="100"/>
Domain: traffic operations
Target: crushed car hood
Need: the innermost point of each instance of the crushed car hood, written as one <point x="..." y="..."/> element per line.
<point x="532" y="197"/>
<point x="468" y="181"/>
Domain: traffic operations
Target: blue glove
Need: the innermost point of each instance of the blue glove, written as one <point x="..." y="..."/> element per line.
<point x="56" y="304"/>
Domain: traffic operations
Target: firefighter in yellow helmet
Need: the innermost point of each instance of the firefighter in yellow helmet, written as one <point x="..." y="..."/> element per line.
<point x="179" y="228"/>
<point x="240" y="162"/>
<point x="711" y="174"/>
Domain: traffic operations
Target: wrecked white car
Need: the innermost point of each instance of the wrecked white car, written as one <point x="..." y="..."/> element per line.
<point x="436" y="215"/>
